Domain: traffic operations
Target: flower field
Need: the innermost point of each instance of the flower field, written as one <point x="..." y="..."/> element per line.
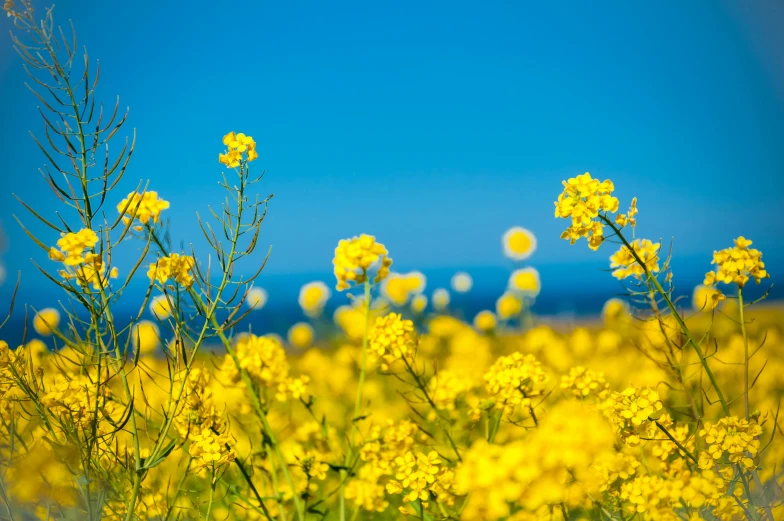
<point x="392" y="407"/>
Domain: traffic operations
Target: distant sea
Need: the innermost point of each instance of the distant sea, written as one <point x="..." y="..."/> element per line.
<point x="569" y="292"/>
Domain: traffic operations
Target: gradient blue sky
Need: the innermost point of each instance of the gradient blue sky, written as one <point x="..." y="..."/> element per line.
<point x="436" y="126"/>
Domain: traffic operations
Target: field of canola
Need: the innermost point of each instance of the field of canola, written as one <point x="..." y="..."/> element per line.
<point x="663" y="410"/>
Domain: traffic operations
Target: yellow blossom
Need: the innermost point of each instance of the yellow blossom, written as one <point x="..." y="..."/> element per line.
<point x="313" y="297"/>
<point x="485" y="321"/>
<point x="354" y="257"/>
<point x="300" y="335"/>
<point x="144" y="207"/>
<point x="737" y="264"/>
<point x="175" y="267"/>
<point x="624" y="264"/>
<point x="45" y="321"/>
<point x="508" y="305"/>
<point x="582" y="201"/>
<point x="525" y="281"/>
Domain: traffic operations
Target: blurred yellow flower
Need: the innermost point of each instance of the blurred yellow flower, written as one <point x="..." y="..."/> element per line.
<point x="313" y="297"/>
<point x="440" y="299"/>
<point x="525" y="281"/>
<point x="485" y="321"/>
<point x="508" y="305"/>
<point x="145" y="336"/>
<point x="355" y="256"/>
<point x="706" y="297"/>
<point x="301" y="335"/>
<point x="399" y="287"/>
<point x="161" y="307"/>
<point x="45" y="321"/>
<point x="519" y="243"/>
<point x="256" y="298"/>
<point x="418" y="303"/>
<point x="462" y="282"/>
<point x="614" y="309"/>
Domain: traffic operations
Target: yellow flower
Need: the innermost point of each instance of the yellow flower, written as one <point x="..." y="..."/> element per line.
<point x="582" y="201"/>
<point x="526" y="281"/>
<point x="738" y="438"/>
<point x="399" y="287"/>
<point x="301" y="335"/>
<point x="313" y="297"/>
<point x="210" y="450"/>
<point x="513" y="380"/>
<point x="615" y="310"/>
<point x="161" y="307"/>
<point x="462" y="282"/>
<point x="72" y="246"/>
<point x="237" y="144"/>
<point x="392" y="338"/>
<point x="706" y="297"/>
<point x="519" y="243"/>
<point x="631" y="410"/>
<point x="624" y="263"/>
<point x="485" y="321"/>
<point x="145" y="336"/>
<point x="736" y="265"/>
<point x="354" y="257"/>
<point x="256" y="298"/>
<point x="45" y="321"/>
<point x="418" y="303"/>
<point x="508" y="305"/>
<point x="175" y="266"/>
<point x="144" y="207"/>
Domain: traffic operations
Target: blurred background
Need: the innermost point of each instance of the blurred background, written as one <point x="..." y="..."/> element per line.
<point x="435" y="128"/>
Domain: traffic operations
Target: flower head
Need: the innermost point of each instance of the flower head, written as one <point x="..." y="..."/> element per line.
<point x="625" y="264"/>
<point x="45" y="321"/>
<point x="176" y="267"/>
<point x="582" y="201"/>
<point x="399" y="287"/>
<point x="525" y="281"/>
<point x="737" y="264"/>
<point x="144" y="207"/>
<point x="354" y="258"/>
<point x="237" y="144"/>
<point x="392" y="338"/>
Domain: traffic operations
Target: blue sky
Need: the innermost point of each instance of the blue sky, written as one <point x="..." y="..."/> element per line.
<point x="436" y="126"/>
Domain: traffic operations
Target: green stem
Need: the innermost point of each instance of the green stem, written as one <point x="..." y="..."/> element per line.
<point x="684" y="328"/>
<point x="137" y="480"/>
<point x="357" y="402"/>
<point x="212" y="497"/>
<point x="745" y="352"/>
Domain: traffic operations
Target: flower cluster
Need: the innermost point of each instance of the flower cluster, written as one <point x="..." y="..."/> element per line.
<point x="355" y="256"/>
<point x="519" y="243"/>
<point x="391" y="338"/>
<point x="737" y="264"/>
<point x="74" y="400"/>
<point x="525" y="281"/>
<point x="176" y="267"/>
<point x="237" y="145"/>
<point x="737" y="438"/>
<point x="631" y="411"/>
<point x="210" y="450"/>
<point x="385" y="443"/>
<point x="582" y="383"/>
<point x="624" y="262"/>
<point x="508" y="305"/>
<point x="72" y="247"/>
<point x="419" y="476"/>
<point x="657" y="497"/>
<point x="293" y="389"/>
<point x="514" y="380"/>
<point x="144" y="207"/>
<point x="581" y="201"/>
<point x="262" y="357"/>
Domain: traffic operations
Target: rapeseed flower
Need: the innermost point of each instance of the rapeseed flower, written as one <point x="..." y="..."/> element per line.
<point x="582" y="201"/>
<point x="176" y="267"/>
<point x="45" y="321"/>
<point x="313" y="296"/>
<point x="238" y="144"/>
<point x="462" y="282"/>
<point x="144" y="207"/>
<point x="737" y="264"/>
<point x="355" y="257"/>
<point x="624" y="263"/>
<point x="526" y="282"/>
